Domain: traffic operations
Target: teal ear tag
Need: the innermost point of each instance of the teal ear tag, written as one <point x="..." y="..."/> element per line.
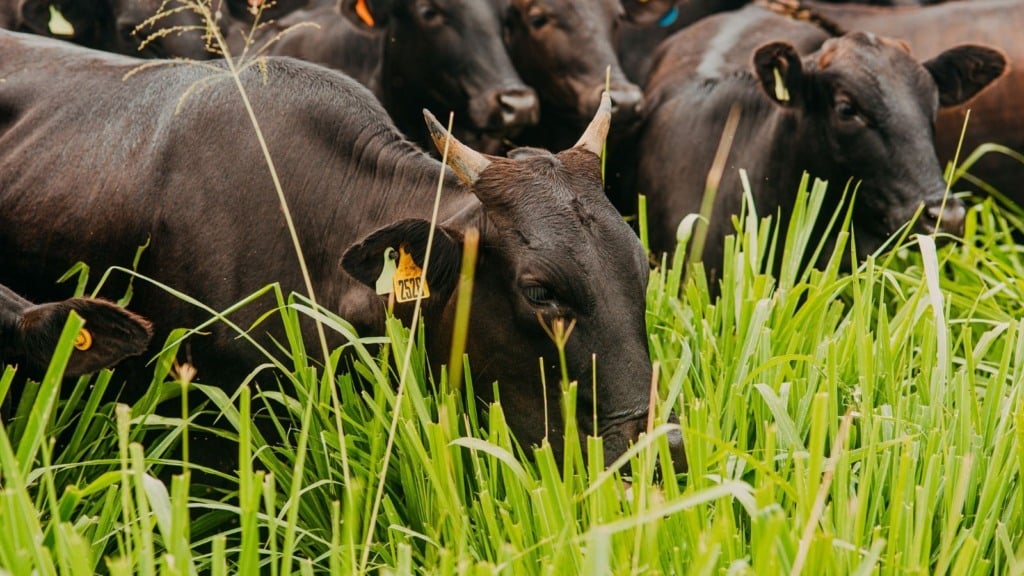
<point x="385" y="284"/>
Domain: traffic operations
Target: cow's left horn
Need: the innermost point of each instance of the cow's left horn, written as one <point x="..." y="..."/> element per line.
<point x="466" y="162"/>
<point x="593" y="139"/>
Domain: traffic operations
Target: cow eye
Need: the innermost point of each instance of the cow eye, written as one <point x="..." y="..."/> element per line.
<point x="428" y="12"/>
<point x="537" y="18"/>
<point x="847" y="111"/>
<point x="538" y="295"/>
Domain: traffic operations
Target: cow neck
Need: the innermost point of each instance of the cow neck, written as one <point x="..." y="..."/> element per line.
<point x="798" y="10"/>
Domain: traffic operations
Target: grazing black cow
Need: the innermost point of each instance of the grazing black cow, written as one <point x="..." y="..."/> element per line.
<point x="997" y="114"/>
<point x="440" y="54"/>
<point x="563" y="48"/>
<point x="443" y="55"/>
<point x="856" y="108"/>
<point x="649" y="22"/>
<point x="142" y="166"/>
<point x="29" y="333"/>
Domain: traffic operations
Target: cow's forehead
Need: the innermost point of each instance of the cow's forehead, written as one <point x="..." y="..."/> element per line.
<point x="876" y="68"/>
<point x="554" y="202"/>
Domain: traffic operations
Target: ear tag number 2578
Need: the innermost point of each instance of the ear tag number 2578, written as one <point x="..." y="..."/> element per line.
<point x="409" y="282"/>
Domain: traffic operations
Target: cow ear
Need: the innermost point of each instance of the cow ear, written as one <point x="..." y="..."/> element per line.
<point x="778" y="67"/>
<point x="650" y="12"/>
<point x="367" y="14"/>
<point x="963" y="71"/>
<point x="109" y="335"/>
<point x="365" y="260"/>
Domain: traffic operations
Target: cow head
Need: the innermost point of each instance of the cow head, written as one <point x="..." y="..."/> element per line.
<point x="552" y="248"/>
<point x="455" y="48"/>
<point x="169" y="29"/>
<point x="31" y="332"/>
<point x="865" y="110"/>
<point x="563" y="48"/>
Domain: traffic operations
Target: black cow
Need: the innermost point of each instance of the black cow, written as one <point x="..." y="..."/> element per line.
<point x="564" y="49"/>
<point x="649" y="22"/>
<point x="29" y="333"/>
<point x="997" y="114"/>
<point x="857" y="108"/>
<point x="444" y="55"/>
<point x="93" y="166"/>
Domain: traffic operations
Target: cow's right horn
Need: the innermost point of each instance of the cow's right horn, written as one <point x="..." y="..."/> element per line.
<point x="466" y="162"/>
<point x="593" y="138"/>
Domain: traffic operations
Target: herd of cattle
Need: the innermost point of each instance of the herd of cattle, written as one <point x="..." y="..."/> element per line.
<point x="100" y="155"/>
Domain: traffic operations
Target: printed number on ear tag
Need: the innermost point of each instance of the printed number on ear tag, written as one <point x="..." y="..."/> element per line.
<point x="409" y="281"/>
<point x="386" y="281"/>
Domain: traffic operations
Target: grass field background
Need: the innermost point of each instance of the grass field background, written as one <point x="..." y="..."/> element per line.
<point x="835" y="423"/>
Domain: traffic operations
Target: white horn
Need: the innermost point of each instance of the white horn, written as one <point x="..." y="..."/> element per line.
<point x="593" y="138"/>
<point x="466" y="162"/>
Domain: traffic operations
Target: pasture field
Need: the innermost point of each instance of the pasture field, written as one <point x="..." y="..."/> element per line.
<point x="835" y="423"/>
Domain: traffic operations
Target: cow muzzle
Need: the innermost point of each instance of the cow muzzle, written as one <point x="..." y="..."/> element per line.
<point x="506" y="109"/>
<point x="942" y="215"/>
<point x="618" y="436"/>
<point x="627" y="102"/>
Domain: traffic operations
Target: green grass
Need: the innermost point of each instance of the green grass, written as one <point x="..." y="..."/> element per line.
<point x="870" y="422"/>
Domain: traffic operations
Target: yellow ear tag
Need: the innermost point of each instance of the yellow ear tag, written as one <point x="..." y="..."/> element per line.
<point x="409" y="281"/>
<point x="83" y="340"/>
<point x="386" y="281"/>
<point x="781" y="93"/>
<point x="58" y="24"/>
<point x="363" y="11"/>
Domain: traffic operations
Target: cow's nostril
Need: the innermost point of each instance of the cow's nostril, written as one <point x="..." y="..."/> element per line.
<point x="519" y="107"/>
<point x="675" y="444"/>
<point x="626" y="101"/>
<point x="948" y="216"/>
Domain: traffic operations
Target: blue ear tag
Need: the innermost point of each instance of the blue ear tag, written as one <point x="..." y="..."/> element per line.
<point x="669" y="18"/>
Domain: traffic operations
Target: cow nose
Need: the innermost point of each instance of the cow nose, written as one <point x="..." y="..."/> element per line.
<point x="619" y="436"/>
<point x="627" y="102"/>
<point x="945" y="216"/>
<point x="519" y="107"/>
<point x="675" y="445"/>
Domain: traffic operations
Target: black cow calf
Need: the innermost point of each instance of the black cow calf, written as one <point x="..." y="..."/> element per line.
<point x="29" y="333"/>
<point x="853" y="109"/>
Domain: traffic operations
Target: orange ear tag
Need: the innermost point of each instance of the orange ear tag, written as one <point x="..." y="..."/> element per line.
<point x="363" y="11"/>
<point x="409" y="281"/>
<point x="83" y="340"/>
